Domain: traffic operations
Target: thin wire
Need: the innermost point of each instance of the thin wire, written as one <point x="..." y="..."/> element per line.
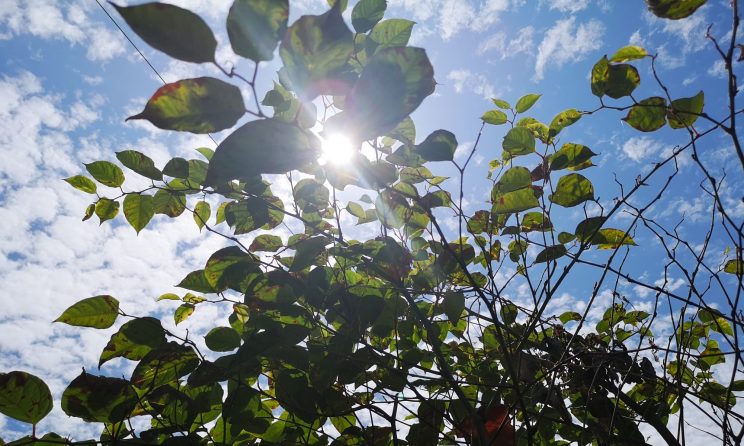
<point x="124" y="33"/>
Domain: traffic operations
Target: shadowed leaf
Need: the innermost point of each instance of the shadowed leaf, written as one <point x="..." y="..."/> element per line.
<point x="24" y="397"/>
<point x="255" y="27"/>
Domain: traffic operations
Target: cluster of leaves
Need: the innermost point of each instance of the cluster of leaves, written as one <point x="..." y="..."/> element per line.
<point x="330" y="331"/>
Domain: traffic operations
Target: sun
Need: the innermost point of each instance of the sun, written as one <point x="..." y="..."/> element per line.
<point x="336" y="149"/>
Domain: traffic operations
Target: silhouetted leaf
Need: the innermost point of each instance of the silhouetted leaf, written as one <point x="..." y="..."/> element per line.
<point x="222" y="339"/>
<point x="315" y="52"/>
<point x="175" y="31"/>
<point x="453" y="304"/>
<point x="97" y="312"/>
<point x="24" y="397"/>
<point x="550" y="253"/>
<point x="99" y="398"/>
<point x="440" y="145"/>
<point x="164" y="365"/>
<point x="200" y="105"/>
<point x="367" y="13"/>
<point x="262" y="146"/>
<point x="255" y="27"/>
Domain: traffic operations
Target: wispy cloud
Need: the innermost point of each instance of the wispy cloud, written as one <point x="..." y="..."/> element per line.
<point x="505" y="47"/>
<point x="465" y="80"/>
<point x="567" y="42"/>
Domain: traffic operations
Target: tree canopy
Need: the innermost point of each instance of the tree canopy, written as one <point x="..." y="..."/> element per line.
<point x="402" y="333"/>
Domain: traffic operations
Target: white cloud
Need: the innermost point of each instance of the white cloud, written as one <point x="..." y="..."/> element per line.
<point x="638" y="148"/>
<point x="570" y="6"/>
<point x="718" y="69"/>
<point x="566" y="42"/>
<point x="451" y="17"/>
<point x="464" y="80"/>
<point x="523" y="43"/>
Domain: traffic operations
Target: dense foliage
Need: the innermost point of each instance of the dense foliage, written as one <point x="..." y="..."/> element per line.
<point x="405" y="337"/>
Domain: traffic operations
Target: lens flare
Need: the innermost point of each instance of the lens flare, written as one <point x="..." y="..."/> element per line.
<point x="336" y="149"/>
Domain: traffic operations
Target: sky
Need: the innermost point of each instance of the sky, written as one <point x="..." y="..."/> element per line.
<point x="69" y="78"/>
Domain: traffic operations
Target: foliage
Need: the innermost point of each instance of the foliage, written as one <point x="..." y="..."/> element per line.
<point x="410" y="328"/>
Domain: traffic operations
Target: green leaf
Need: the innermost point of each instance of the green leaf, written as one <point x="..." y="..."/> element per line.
<point x="622" y="80"/>
<point x="83" y="183"/>
<point x="199" y="105"/>
<point x="255" y="27"/>
<point x="536" y="221"/>
<point x="405" y="131"/>
<point x="500" y="103"/>
<point x="140" y="163"/>
<point x="224" y="262"/>
<point x="177" y="168"/>
<point x="627" y="53"/>
<point x="196" y="281"/>
<point x="175" y="31"/>
<point x="513" y="179"/>
<point x="24" y="397"/>
<point x="99" y="399"/>
<point x="515" y="201"/>
<point x="392" y="85"/>
<point x="550" y="253"/>
<point x="170" y="203"/>
<point x="565" y="237"/>
<point x="206" y="152"/>
<point x="390" y="33"/>
<point x="391" y="209"/>
<point x="222" y="339"/>
<point x="183" y="312"/>
<point x="89" y="211"/>
<point x="106" y="173"/>
<point x="526" y="102"/>
<point x="440" y="145"/>
<point x="569" y="316"/>
<point x="134" y="340"/>
<point x="138" y="210"/>
<point x="685" y="111"/>
<point x="253" y="213"/>
<point x="600" y="75"/>
<point x="97" y="312"/>
<point x="571" y="156"/>
<point x="494" y="117"/>
<point x="611" y="239"/>
<point x="164" y="365"/>
<point x="735" y="266"/>
<point x="315" y="52"/>
<point x="674" y="9"/>
<point x="453" y="303"/>
<point x="563" y="120"/>
<point x="572" y="189"/>
<point x="202" y="211"/>
<point x="367" y="13"/>
<point x="307" y="252"/>
<point x="261" y="146"/>
<point x="648" y="115"/>
<point x="519" y="141"/>
<point x="106" y="209"/>
<point x="266" y="242"/>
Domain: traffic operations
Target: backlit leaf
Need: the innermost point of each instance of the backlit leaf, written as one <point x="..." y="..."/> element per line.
<point x="106" y="173"/>
<point x="138" y="210"/>
<point x="266" y="242"/>
<point x="97" y="312"/>
<point x="390" y="33"/>
<point x="500" y="103"/>
<point x="140" y="163"/>
<point x="259" y="147"/>
<point x="199" y="105"/>
<point x="735" y="266"/>
<point x="674" y="9"/>
<point x="367" y="13"/>
<point x="648" y="115"/>
<point x="494" y="117"/>
<point x="315" y="52"/>
<point x="307" y="252"/>
<point x="563" y="120"/>
<point x="611" y="239"/>
<point x="82" y="183"/>
<point x="515" y="201"/>
<point x="255" y="27"/>
<point x="24" y="397"/>
<point x="526" y="102"/>
<point x="99" y="398"/>
<point x="183" y="312"/>
<point x="519" y="141"/>
<point x="164" y="365"/>
<point x="572" y="189"/>
<point x="175" y="31"/>
<point x="571" y="156"/>
<point x="685" y="111"/>
<point x="202" y="211"/>
<point x="170" y="203"/>
<point x="106" y="209"/>
<point x="453" y="304"/>
<point x="134" y="340"/>
<point x="627" y="53"/>
<point x="515" y="178"/>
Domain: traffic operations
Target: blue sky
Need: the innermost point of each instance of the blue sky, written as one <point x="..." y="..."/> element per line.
<point x="68" y="79"/>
